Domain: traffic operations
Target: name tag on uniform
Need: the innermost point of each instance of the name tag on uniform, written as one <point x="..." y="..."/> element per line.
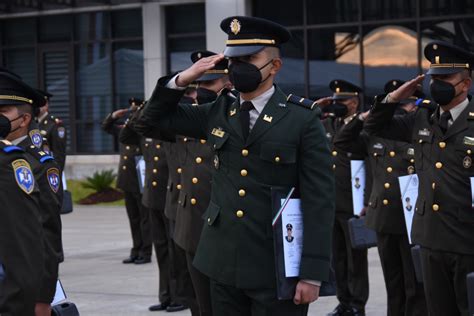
<point x="148" y="140"/>
<point x="378" y="146"/>
<point x="468" y="140"/>
<point x="218" y="132"/>
<point x="424" y="132"/>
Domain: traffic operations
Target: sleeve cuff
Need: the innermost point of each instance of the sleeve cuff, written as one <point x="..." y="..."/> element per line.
<point x="312" y="282"/>
<point x="172" y="83"/>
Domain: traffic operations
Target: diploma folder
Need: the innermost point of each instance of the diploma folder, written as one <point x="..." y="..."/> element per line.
<point x="361" y="236"/>
<point x="286" y="286"/>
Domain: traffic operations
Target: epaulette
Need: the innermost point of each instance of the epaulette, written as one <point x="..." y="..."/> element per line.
<point x="39" y="154"/>
<point x="306" y="103"/>
<point x="8" y="147"/>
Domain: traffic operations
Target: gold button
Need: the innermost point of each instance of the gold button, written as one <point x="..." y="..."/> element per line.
<point x="203" y="141"/>
<point x="243" y="173"/>
<point x="198" y="160"/>
<point x="469" y="152"/>
<point x="127" y="148"/>
<point x="375" y="154"/>
<point x="125" y="157"/>
<point x="155" y="170"/>
<point x="435" y="207"/>
<point x="387" y="185"/>
<point x="179" y="170"/>
<point x="240" y="213"/>
<point x="124" y="167"/>
<point x="277" y="159"/>
<point x="154" y="183"/>
<point x="242" y="192"/>
<point x="439" y="165"/>
<point x="334" y="153"/>
<point x="389" y="169"/>
<point x="195" y="180"/>
<point x="385" y="202"/>
<point x="209" y="220"/>
<point x="146" y="145"/>
<point x="442" y="145"/>
<point x="412" y="160"/>
<point x="158" y="146"/>
<point x="433" y="185"/>
<point x="156" y="158"/>
<point x="392" y="154"/>
<point x="245" y="152"/>
<point x="185" y="139"/>
<point x="179" y="186"/>
<point x="193" y="201"/>
<point x="420" y="141"/>
<point x="334" y="167"/>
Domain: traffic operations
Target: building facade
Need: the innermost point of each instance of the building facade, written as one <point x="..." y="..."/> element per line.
<point x="95" y="55"/>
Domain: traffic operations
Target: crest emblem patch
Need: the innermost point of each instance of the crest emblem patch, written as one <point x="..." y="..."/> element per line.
<point x="61" y="132"/>
<point x="23" y="175"/>
<point x="36" y="138"/>
<point x="53" y="179"/>
<point x="235" y="26"/>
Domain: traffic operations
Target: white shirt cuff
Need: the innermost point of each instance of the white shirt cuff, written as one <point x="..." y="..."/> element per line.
<point x="312" y="282"/>
<point x="172" y="84"/>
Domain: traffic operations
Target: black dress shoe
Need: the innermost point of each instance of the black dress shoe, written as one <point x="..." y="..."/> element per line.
<point x="175" y="308"/>
<point x="158" y="307"/>
<point x="340" y="310"/>
<point x="142" y="260"/>
<point x="130" y="259"/>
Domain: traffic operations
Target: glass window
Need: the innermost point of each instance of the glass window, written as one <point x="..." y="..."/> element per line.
<point x="92" y="26"/>
<point x="127" y="23"/>
<point x="390" y="52"/>
<point x="55" y="28"/>
<point x="335" y="11"/>
<point x="386" y="10"/>
<point x="180" y="51"/>
<point x="445" y="7"/>
<point x="20" y="32"/>
<point x="23" y="63"/>
<point x="128" y="65"/>
<point x="188" y="18"/>
<point x="291" y="76"/>
<point x="333" y="54"/>
<point x="92" y="139"/>
<point x="285" y="12"/>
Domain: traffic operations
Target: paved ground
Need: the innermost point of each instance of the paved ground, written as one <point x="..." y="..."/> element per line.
<point x="96" y="239"/>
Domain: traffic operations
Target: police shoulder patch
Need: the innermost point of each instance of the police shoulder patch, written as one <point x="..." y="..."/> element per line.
<point x="306" y="103"/>
<point x="62" y="132"/>
<point x="54" y="179"/>
<point x="36" y="137"/>
<point x="23" y="175"/>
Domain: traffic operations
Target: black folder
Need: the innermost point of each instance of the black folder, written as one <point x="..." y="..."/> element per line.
<point x="361" y="236"/>
<point x="286" y="287"/>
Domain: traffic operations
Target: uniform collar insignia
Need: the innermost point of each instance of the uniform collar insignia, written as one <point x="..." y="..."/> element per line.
<point x="232" y="112"/>
<point x="267" y="118"/>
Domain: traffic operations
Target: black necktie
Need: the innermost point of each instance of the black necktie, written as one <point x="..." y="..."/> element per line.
<point x="443" y="121"/>
<point x="245" y="108"/>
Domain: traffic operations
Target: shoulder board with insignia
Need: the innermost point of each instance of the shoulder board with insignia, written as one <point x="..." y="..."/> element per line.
<point x="39" y="154"/>
<point x="306" y="103"/>
<point x="8" y="147"/>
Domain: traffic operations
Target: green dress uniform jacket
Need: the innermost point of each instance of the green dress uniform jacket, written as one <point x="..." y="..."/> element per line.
<point x="444" y="218"/>
<point x="285" y="148"/>
<point x="55" y="133"/>
<point x="48" y="177"/>
<point x="389" y="160"/>
<point x="127" y="179"/>
<point x="21" y="236"/>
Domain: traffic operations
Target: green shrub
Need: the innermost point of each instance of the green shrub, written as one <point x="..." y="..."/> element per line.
<point x="100" y="181"/>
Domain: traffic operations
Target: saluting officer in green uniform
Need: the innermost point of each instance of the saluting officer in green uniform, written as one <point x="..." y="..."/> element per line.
<point x="260" y="140"/>
<point x="443" y="139"/>
<point x="389" y="160"/>
<point x="21" y="232"/>
<point x="350" y="265"/>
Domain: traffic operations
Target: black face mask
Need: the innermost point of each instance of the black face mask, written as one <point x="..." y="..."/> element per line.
<point x="5" y="126"/>
<point x="443" y="92"/>
<point x="246" y="77"/>
<point x="338" y="109"/>
<point x="205" y="95"/>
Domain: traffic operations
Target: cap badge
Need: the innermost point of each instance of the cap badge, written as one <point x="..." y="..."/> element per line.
<point x="235" y="26"/>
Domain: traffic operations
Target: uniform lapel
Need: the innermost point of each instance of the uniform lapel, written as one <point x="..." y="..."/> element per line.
<point x="271" y="114"/>
<point x="233" y="115"/>
<point x="461" y="123"/>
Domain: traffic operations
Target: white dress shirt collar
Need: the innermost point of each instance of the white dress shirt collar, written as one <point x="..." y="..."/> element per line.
<point x="260" y="101"/>
<point x="456" y="111"/>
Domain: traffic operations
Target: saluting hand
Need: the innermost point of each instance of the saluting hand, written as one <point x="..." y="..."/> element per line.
<point x="324" y="101"/>
<point x="306" y="293"/>
<point x="406" y="90"/>
<point x="197" y="70"/>
<point x="119" y="113"/>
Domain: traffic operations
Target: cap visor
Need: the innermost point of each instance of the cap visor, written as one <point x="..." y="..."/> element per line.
<point x="238" y="51"/>
<point x="444" y="71"/>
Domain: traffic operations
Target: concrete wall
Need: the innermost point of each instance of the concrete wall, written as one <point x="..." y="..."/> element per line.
<point x="82" y="166"/>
